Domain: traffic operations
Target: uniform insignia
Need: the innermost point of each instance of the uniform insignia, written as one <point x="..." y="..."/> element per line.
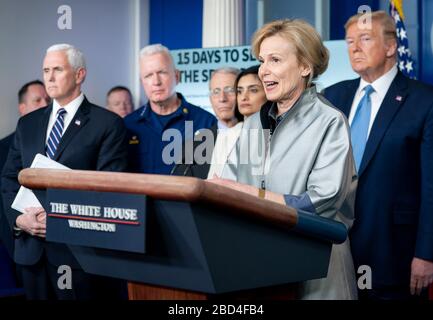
<point x="134" y="140"/>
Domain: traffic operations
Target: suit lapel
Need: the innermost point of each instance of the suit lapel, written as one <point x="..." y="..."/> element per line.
<point x="41" y="133"/>
<point x="214" y="130"/>
<point x="348" y="96"/>
<point x="392" y="102"/>
<point x="78" y="122"/>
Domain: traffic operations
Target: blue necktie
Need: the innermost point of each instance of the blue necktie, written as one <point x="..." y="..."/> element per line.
<point x="55" y="134"/>
<point x="359" y="127"/>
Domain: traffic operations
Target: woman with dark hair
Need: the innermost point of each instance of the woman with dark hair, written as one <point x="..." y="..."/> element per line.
<point x="250" y="96"/>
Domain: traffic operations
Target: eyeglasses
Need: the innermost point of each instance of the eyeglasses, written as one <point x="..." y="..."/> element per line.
<point x="226" y="90"/>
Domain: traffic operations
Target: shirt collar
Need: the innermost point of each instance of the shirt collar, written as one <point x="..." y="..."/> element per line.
<point x="381" y="84"/>
<point x="222" y="125"/>
<point x="275" y="120"/>
<point x="183" y="109"/>
<point x="72" y="107"/>
<point x="273" y="111"/>
<point x="307" y="94"/>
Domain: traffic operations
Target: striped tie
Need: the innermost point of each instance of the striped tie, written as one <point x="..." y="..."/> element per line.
<point x="55" y="134"/>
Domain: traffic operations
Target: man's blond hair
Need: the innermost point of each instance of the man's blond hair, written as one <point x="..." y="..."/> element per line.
<point x="384" y="19"/>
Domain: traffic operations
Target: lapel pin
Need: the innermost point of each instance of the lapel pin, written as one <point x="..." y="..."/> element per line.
<point x="78" y="122"/>
<point x="134" y="140"/>
<point x="398" y="98"/>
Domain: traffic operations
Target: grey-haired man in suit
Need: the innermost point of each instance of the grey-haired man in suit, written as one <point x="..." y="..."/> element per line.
<point x="77" y="134"/>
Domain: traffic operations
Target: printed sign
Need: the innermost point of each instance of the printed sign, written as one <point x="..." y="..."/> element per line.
<point x="196" y="65"/>
<point x="97" y="219"/>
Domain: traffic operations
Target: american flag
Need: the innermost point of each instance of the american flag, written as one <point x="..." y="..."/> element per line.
<point x="405" y="61"/>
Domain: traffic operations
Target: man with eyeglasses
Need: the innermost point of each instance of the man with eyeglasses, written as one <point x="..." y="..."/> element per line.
<point x="223" y="96"/>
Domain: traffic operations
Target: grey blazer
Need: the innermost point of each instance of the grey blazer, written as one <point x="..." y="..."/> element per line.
<point x="308" y="158"/>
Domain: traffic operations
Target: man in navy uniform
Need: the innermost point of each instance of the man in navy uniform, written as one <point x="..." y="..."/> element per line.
<point x="150" y="150"/>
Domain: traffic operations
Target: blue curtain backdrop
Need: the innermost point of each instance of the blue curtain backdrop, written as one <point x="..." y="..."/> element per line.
<point x="425" y="18"/>
<point x="176" y="24"/>
<point x="342" y="10"/>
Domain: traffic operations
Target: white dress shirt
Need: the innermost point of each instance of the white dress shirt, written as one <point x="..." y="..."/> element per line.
<point x="380" y="86"/>
<point x="224" y="152"/>
<point x="221" y="125"/>
<point x="71" y="109"/>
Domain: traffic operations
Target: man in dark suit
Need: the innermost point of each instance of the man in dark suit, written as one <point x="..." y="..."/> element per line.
<point x="31" y="97"/>
<point x="391" y="120"/>
<point x="120" y="101"/>
<point x="222" y="95"/>
<point x="6" y="238"/>
<point x="76" y="133"/>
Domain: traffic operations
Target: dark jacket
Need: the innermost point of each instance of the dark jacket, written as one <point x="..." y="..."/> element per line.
<point x="94" y="140"/>
<point x="394" y="200"/>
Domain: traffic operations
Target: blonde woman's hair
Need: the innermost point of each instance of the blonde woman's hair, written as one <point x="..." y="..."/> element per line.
<point x="310" y="50"/>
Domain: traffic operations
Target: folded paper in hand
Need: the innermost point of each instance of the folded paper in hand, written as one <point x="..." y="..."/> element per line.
<point x="25" y="198"/>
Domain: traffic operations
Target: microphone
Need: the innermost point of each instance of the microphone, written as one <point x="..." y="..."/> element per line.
<point x="188" y="168"/>
<point x="178" y="166"/>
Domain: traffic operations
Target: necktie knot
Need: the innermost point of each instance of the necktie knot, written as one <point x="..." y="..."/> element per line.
<point x="61" y="112"/>
<point x="368" y="90"/>
<point x="55" y="134"/>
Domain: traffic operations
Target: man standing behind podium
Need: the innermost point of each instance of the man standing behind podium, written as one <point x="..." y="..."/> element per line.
<point x="76" y="133"/>
<point x="31" y="97"/>
<point x="166" y="112"/>
<point x="391" y="119"/>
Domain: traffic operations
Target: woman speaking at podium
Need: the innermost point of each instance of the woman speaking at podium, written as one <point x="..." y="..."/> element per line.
<point x="296" y="150"/>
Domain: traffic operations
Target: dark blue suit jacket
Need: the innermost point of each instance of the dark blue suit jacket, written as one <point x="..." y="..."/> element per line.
<point x="394" y="203"/>
<point x="6" y="235"/>
<point x="94" y="140"/>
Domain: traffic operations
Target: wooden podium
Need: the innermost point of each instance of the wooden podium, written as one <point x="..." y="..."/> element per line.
<point x="203" y="241"/>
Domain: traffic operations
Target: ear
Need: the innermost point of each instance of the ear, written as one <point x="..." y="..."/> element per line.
<point x="22" y="108"/>
<point x="391" y="48"/>
<point x="142" y="81"/>
<point x="80" y="75"/>
<point x="177" y="75"/>
<point x="305" y="71"/>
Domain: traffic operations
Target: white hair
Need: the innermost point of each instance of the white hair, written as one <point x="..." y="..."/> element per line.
<point x="154" y="49"/>
<point x="229" y="70"/>
<point x="75" y="56"/>
<point x="226" y="70"/>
